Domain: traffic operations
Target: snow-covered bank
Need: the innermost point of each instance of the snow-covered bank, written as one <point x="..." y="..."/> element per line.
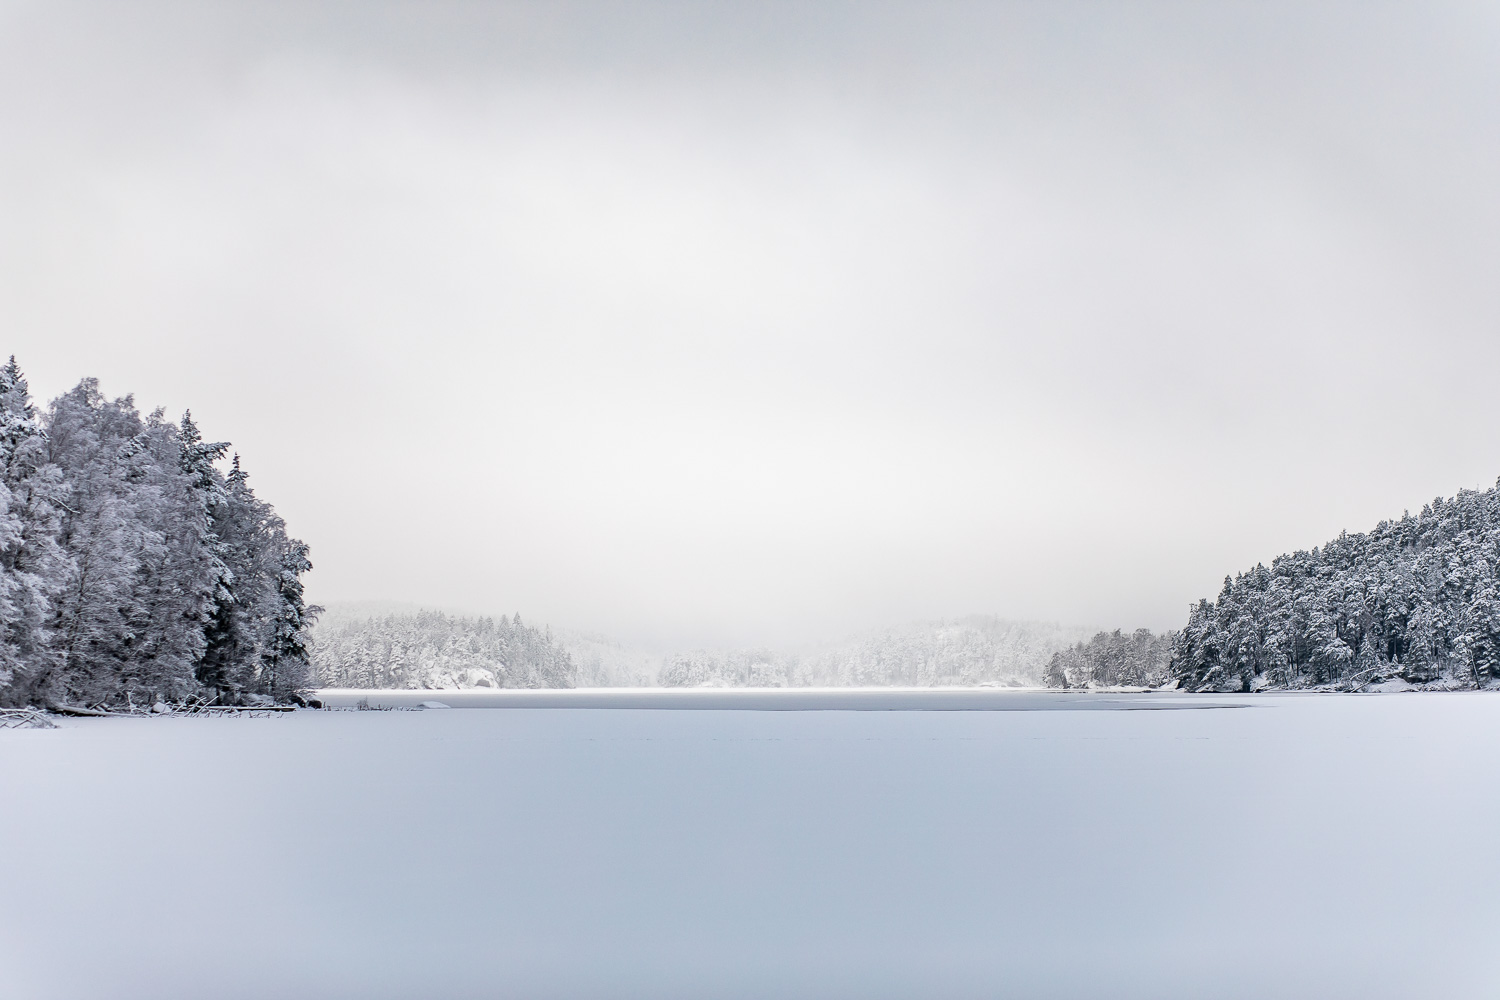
<point x="1304" y="846"/>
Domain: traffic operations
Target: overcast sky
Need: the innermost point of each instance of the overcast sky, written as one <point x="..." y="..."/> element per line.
<point x="747" y="322"/>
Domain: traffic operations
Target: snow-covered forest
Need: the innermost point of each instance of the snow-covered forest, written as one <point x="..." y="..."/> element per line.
<point x="1415" y="601"/>
<point x="1110" y="659"/>
<point x="430" y="649"/>
<point x="433" y="650"/>
<point x="963" y="651"/>
<point x="132" y="568"/>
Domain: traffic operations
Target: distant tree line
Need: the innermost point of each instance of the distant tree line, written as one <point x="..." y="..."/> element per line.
<point x="971" y="651"/>
<point x="430" y="649"/>
<point x="732" y="668"/>
<point x="1416" y="600"/>
<point x="1114" y="659"/>
<point x="134" y="570"/>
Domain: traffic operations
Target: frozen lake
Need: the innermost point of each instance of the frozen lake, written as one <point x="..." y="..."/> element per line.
<point x="1044" y="845"/>
<point x="889" y="699"/>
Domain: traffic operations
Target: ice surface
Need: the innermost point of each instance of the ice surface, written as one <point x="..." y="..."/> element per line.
<point x="885" y="699"/>
<point x="1304" y="846"/>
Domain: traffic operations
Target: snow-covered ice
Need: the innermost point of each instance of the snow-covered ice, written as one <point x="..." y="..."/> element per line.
<point x="882" y="699"/>
<point x="1303" y="846"/>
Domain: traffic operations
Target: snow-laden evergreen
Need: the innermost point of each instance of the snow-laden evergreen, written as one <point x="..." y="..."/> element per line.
<point x="1415" y="601"/>
<point x="132" y="570"/>
<point x="431" y="649"/>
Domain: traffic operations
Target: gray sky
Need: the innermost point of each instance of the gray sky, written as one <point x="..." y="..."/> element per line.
<point x="756" y="322"/>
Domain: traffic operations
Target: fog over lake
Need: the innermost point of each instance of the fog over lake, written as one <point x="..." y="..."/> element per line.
<point x="757" y="323"/>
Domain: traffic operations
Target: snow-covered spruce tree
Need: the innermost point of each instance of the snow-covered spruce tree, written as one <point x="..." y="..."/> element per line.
<point x="131" y="569"/>
<point x="267" y="610"/>
<point x="224" y="638"/>
<point x="285" y="661"/>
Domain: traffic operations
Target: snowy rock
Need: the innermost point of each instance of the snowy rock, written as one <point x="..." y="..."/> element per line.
<point x="161" y="708"/>
<point x="432" y="704"/>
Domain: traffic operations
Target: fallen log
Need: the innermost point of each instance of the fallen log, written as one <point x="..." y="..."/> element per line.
<point x="172" y="710"/>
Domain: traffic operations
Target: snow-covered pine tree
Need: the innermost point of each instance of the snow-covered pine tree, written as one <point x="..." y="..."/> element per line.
<point x="284" y="649"/>
<point x="242" y="529"/>
<point x="224" y="639"/>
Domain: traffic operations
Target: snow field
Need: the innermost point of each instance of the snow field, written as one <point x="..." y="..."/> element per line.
<point x="1305" y="846"/>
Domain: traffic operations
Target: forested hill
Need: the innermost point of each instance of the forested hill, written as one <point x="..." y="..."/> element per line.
<point x="429" y="649"/>
<point x="1415" y="601"/>
<point x="959" y="652"/>
<point x="1114" y="659"/>
<point x="132" y="568"/>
